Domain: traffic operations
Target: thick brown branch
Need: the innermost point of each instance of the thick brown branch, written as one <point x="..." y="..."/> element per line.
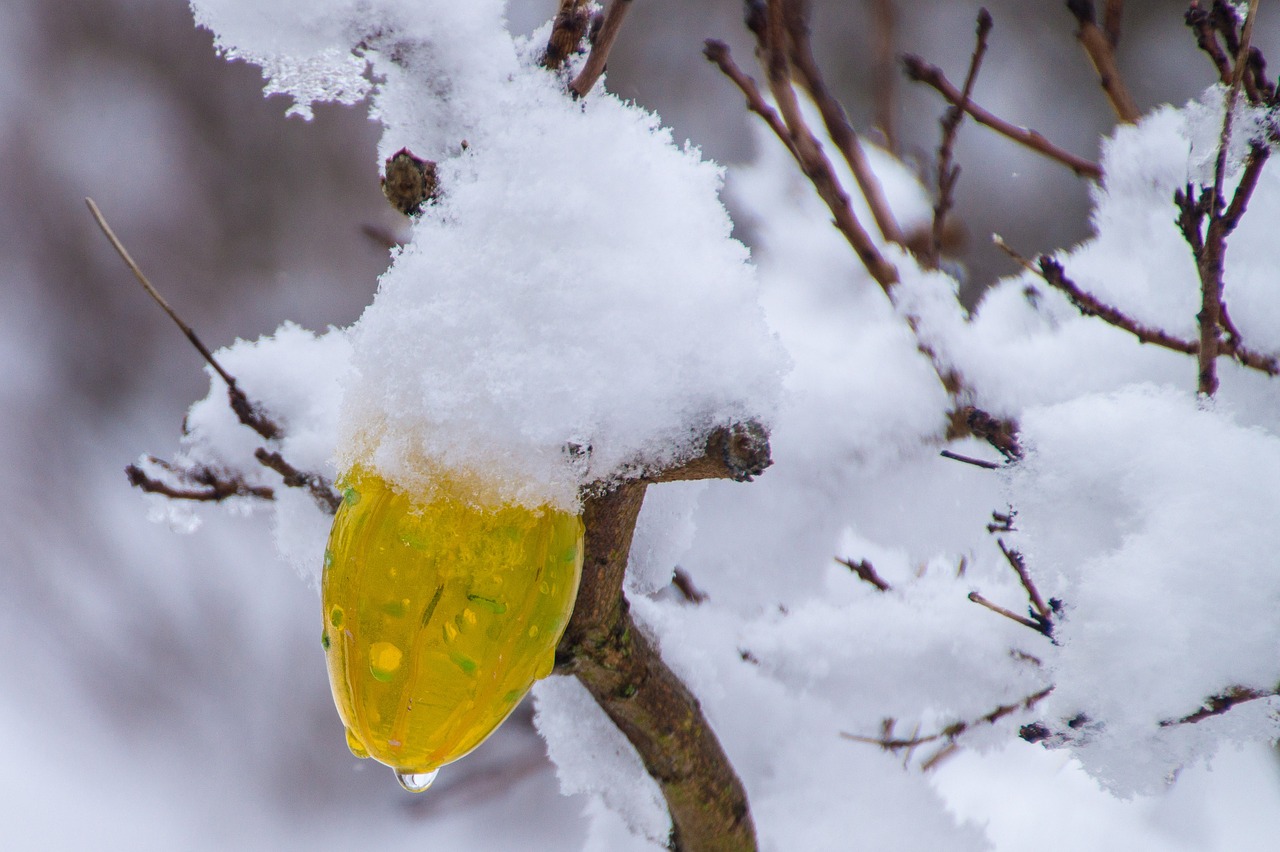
<point x="599" y="56"/>
<point x="835" y="120"/>
<point x="625" y="673"/>
<point x="947" y="173"/>
<point x="1112" y="15"/>
<point x="921" y="72"/>
<point x="325" y="496"/>
<point x="249" y="413"/>
<point x="212" y="487"/>
<point x="566" y="33"/>
<point x="1100" y="48"/>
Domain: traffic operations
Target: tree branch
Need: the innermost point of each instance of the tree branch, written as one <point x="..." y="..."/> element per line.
<point x="947" y="173"/>
<point x="599" y="56"/>
<point x="835" y="120"/>
<point x="1216" y="705"/>
<point x="321" y="489"/>
<point x="625" y="673"/>
<point x="1100" y="48"/>
<point x="566" y="33"/>
<point x="214" y="488"/>
<point x="248" y="412"/>
<point x="921" y="72"/>
<point x="952" y="731"/>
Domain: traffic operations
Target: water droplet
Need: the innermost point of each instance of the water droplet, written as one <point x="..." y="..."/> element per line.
<point x="324" y="640"/>
<point x="384" y="659"/>
<point x="533" y="631"/>
<point x="351" y="496"/>
<point x="328" y="557"/>
<point x="335" y="616"/>
<point x="357" y="747"/>
<point x="417" y="782"/>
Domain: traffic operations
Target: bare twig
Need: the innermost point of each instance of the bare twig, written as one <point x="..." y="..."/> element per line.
<point x="922" y="72"/>
<point x="884" y="72"/>
<point x="866" y="572"/>
<point x="1008" y="613"/>
<point x="1211" y="257"/>
<point x="947" y="454"/>
<point x="325" y="496"/>
<point x="809" y="153"/>
<point x="718" y="53"/>
<point x="1019" y="565"/>
<point x="599" y="56"/>
<point x="250" y="414"/>
<point x="1100" y="47"/>
<point x="1112" y="15"/>
<point x="947" y="173"/>
<point x="1201" y="23"/>
<point x="1218" y="704"/>
<point x="1001" y="434"/>
<point x="212" y="486"/>
<point x="953" y="731"/>
<point x="835" y="120"/>
<point x="1088" y="305"/>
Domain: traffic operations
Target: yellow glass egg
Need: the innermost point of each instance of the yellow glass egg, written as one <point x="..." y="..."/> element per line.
<point x="438" y="617"/>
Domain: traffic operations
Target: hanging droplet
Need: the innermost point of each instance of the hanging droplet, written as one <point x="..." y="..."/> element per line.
<point x="417" y="782"/>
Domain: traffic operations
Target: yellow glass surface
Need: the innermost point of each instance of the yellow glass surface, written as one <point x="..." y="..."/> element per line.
<point x="439" y="616"/>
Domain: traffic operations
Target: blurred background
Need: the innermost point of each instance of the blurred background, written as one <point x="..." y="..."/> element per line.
<point x="166" y="691"/>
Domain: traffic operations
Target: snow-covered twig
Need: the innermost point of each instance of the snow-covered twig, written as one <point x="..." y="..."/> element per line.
<point x="1034" y="624"/>
<point x="212" y="487"/>
<point x="866" y="572"/>
<point x="1099" y="45"/>
<point x="566" y="33"/>
<point x="1218" y="704"/>
<point x="951" y="732"/>
<point x="931" y="75"/>
<point x="1019" y="565"/>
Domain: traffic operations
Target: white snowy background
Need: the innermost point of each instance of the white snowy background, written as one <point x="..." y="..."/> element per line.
<point x="167" y="691"/>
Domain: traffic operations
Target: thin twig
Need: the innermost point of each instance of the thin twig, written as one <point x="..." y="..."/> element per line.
<point x="1200" y="22"/>
<point x="884" y="74"/>
<point x="1008" y="613"/>
<point x="866" y="572"/>
<point x="947" y="173"/>
<point x="599" y="56"/>
<point x="809" y="153"/>
<point x="947" y="454"/>
<point x="250" y="414"/>
<point x="718" y="52"/>
<point x="922" y="72"/>
<point x="215" y="488"/>
<point x="1112" y="15"/>
<point x="836" y="122"/>
<point x="1210" y="260"/>
<point x="1100" y="48"/>
<point x="325" y="496"/>
<point x="954" y="730"/>
<point x="1218" y="704"/>
<point x="1019" y="565"/>
<point x="1052" y="273"/>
